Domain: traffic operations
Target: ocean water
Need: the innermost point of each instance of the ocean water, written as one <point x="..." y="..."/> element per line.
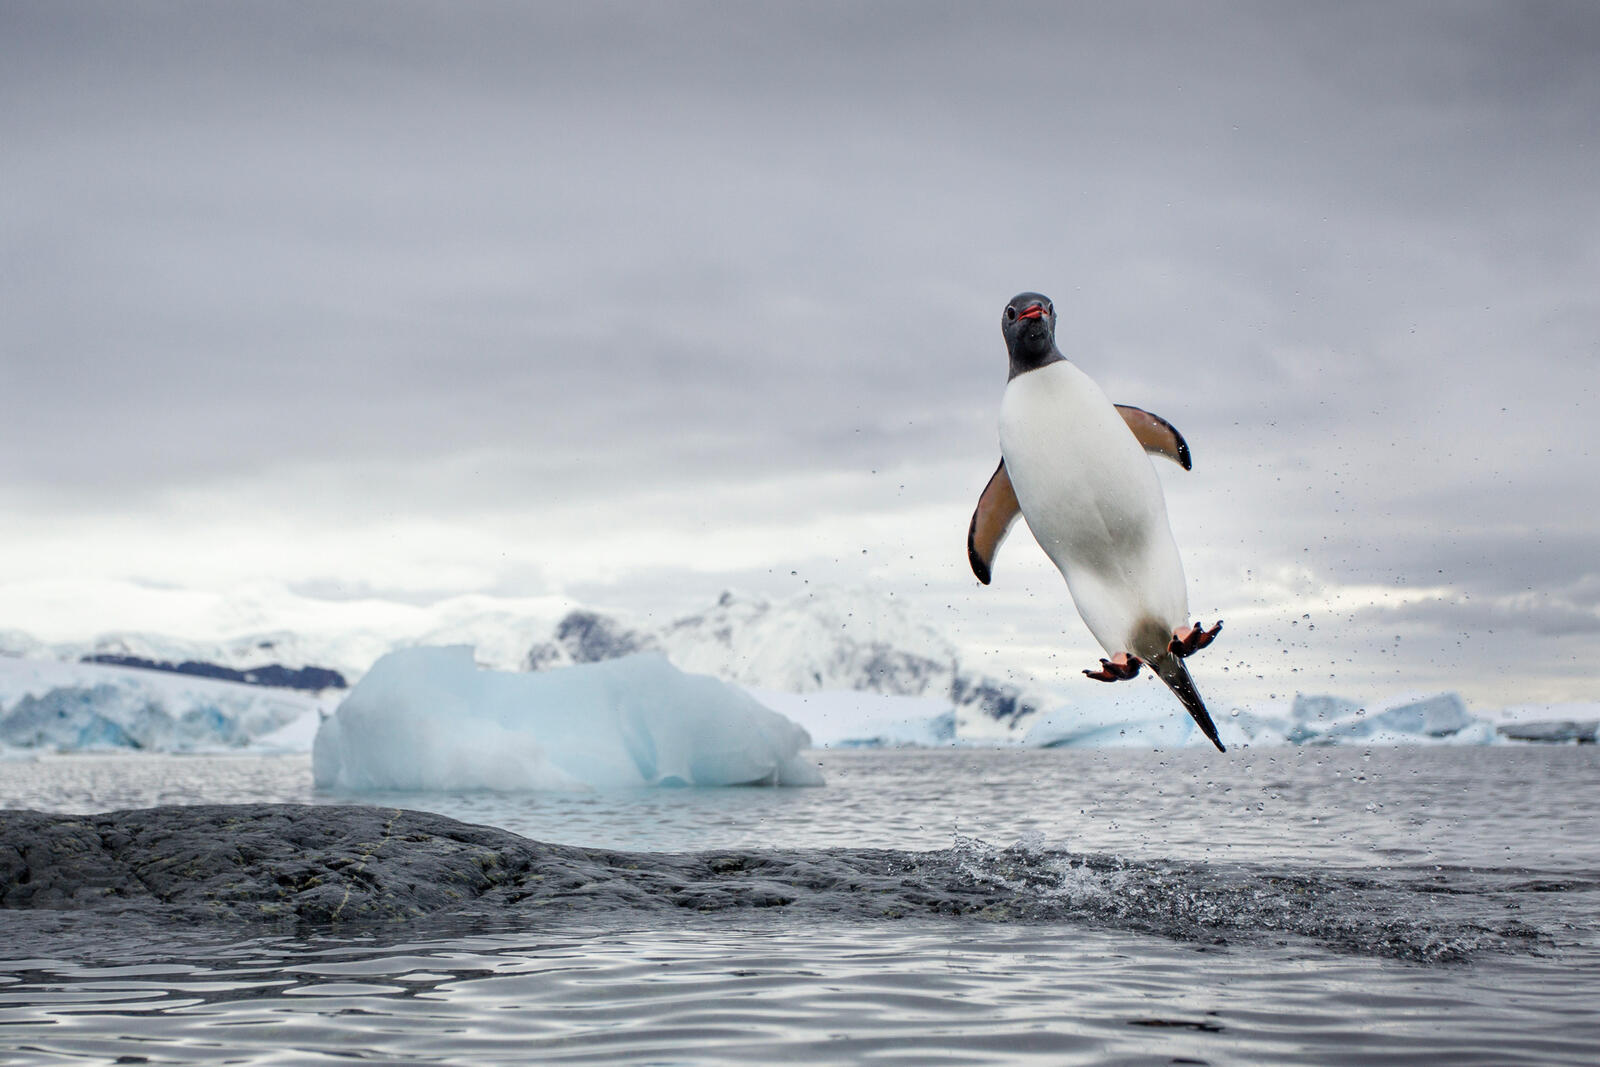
<point x="1281" y="905"/>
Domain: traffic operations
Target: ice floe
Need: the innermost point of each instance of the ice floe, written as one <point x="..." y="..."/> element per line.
<point x="53" y="706"/>
<point x="431" y="719"/>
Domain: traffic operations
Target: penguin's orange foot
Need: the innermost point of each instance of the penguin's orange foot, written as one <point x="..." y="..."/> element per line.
<point x="1191" y="639"/>
<point x="1117" y="668"/>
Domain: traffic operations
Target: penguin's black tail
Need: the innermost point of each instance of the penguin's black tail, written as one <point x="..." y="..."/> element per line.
<point x="1170" y="669"/>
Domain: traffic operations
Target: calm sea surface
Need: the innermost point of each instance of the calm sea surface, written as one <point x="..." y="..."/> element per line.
<point x="1277" y="905"/>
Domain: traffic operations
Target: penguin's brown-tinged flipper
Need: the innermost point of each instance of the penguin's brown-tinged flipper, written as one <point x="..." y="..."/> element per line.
<point x="1156" y="434"/>
<point x="997" y="510"/>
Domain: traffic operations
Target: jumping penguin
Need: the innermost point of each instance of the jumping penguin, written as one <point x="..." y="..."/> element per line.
<point x="1073" y="465"/>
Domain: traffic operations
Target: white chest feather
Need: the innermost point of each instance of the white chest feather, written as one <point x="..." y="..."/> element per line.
<point x="1092" y="500"/>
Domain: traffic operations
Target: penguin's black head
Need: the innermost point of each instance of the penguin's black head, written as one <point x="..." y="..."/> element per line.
<point x="1029" y="326"/>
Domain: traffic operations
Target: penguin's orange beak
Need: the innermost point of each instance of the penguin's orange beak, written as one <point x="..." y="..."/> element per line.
<point x="1032" y="311"/>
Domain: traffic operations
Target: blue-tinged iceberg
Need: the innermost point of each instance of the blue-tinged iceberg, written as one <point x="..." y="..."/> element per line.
<point x="1436" y="718"/>
<point x="1146" y="716"/>
<point x="46" y="705"/>
<point x="428" y="719"/>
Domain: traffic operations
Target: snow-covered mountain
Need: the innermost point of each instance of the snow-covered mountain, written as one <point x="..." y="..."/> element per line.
<point x="833" y="640"/>
<point x="500" y="636"/>
<point x="280" y="659"/>
<point x="853" y="667"/>
<point x="828" y="641"/>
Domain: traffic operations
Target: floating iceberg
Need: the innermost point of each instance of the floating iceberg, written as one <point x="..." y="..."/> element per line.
<point x="1554" y="731"/>
<point x="1146" y="716"/>
<point x="426" y="719"/>
<point x="1551" y="723"/>
<point x="69" y="707"/>
<point x="1436" y="718"/>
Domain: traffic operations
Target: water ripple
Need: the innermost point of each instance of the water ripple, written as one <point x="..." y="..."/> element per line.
<point x="724" y="992"/>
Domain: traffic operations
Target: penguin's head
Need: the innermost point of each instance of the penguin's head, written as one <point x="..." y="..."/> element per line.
<point x="1029" y="326"/>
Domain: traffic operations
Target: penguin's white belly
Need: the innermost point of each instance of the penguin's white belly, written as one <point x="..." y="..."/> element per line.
<point x="1093" y="502"/>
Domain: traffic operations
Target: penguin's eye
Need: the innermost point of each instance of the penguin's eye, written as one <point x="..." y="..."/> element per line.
<point x="1011" y="313"/>
<point x="1050" y="309"/>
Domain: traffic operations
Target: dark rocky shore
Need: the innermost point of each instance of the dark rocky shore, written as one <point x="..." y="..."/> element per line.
<point x="331" y="864"/>
<point x="277" y="863"/>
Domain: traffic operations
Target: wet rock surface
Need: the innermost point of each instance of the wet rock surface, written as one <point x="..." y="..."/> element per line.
<point x="328" y="864"/>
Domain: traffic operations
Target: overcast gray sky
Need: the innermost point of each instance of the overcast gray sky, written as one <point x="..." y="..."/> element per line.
<point x="312" y="306"/>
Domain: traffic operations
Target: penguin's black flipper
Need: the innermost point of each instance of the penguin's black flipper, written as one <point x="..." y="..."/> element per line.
<point x="996" y="512"/>
<point x="1156" y="434"/>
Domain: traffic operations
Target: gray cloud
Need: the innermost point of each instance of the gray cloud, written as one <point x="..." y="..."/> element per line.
<point x="447" y="258"/>
<point x="1538" y="615"/>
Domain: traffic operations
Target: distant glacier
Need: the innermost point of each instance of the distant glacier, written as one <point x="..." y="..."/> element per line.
<point x="852" y="669"/>
<point x="48" y="705"/>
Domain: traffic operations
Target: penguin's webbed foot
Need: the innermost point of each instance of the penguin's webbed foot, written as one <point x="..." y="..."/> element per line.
<point x="1117" y="668"/>
<point x="1188" y="640"/>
